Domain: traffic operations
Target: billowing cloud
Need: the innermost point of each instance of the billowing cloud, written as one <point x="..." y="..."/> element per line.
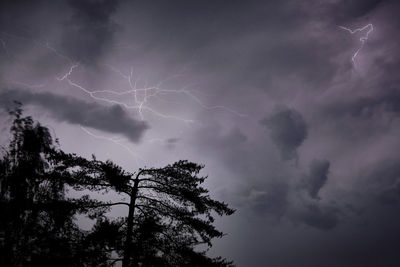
<point x="273" y="201"/>
<point x="317" y="177"/>
<point x="324" y="218"/>
<point x="249" y="56"/>
<point x="288" y="130"/>
<point x="382" y="101"/>
<point x="391" y="195"/>
<point x="89" y="30"/>
<point x="113" y="119"/>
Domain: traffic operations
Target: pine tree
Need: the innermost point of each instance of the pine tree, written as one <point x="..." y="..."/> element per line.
<point x="170" y="215"/>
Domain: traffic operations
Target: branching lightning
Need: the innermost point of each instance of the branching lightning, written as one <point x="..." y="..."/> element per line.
<point x="363" y="39"/>
<point x="141" y="95"/>
<point x="117" y="141"/>
<point x="138" y="95"/>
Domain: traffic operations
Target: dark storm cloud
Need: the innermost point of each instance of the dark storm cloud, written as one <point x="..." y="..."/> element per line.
<point x="14" y="15"/>
<point x="345" y="10"/>
<point x="273" y="201"/>
<point x="390" y="196"/>
<point x="250" y="56"/>
<point x="317" y="177"/>
<point x="90" y="30"/>
<point x="272" y="190"/>
<point x="282" y="199"/>
<point x="246" y="48"/>
<point x="113" y="119"/>
<point x="383" y="173"/>
<point x="377" y="195"/>
<point x="360" y="8"/>
<point x="82" y="31"/>
<point x="381" y="182"/>
<point x="385" y="100"/>
<point x="246" y="43"/>
<point x="324" y="218"/>
<point x="288" y="130"/>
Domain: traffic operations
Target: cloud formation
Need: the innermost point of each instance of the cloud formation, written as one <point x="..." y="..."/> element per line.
<point x="250" y="56"/>
<point x="89" y="30"/>
<point x="288" y="130"/>
<point x="317" y="177"/>
<point x="112" y="119"/>
<point x="323" y="218"/>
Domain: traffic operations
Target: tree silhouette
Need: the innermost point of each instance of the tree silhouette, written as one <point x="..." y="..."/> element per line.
<point x="170" y="215"/>
<point x="37" y="219"/>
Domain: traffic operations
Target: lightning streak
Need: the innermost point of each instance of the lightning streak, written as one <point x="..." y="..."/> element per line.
<point x="46" y="45"/>
<point x="117" y="141"/>
<point x="363" y="38"/>
<point x="65" y="76"/>
<point x="137" y="90"/>
<point x="196" y="99"/>
<point x="141" y="95"/>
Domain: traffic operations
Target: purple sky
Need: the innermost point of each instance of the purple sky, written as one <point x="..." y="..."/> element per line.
<point x="296" y="136"/>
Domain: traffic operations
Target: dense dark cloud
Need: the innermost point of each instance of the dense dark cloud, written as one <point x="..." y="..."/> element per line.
<point x="317" y="177"/>
<point x="381" y="183"/>
<point x="112" y="119"/>
<point x="345" y="10"/>
<point x="82" y="31"/>
<point x="386" y="100"/>
<point x="90" y="29"/>
<point x="14" y="15"/>
<point x="249" y="56"/>
<point x="391" y="195"/>
<point x="324" y="218"/>
<point x="288" y="130"/>
<point x="360" y="8"/>
<point x="272" y="201"/>
<point x="271" y="189"/>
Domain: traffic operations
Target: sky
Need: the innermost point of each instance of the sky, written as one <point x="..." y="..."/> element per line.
<point x="292" y="110"/>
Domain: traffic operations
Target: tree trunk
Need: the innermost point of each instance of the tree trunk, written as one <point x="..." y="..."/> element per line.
<point x="128" y="242"/>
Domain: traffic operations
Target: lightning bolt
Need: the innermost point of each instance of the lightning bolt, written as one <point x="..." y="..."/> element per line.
<point x="66" y="75"/>
<point x="37" y="42"/>
<point x="117" y="141"/>
<point x="55" y="51"/>
<point x="138" y="96"/>
<point x="141" y="95"/>
<point x="363" y="39"/>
